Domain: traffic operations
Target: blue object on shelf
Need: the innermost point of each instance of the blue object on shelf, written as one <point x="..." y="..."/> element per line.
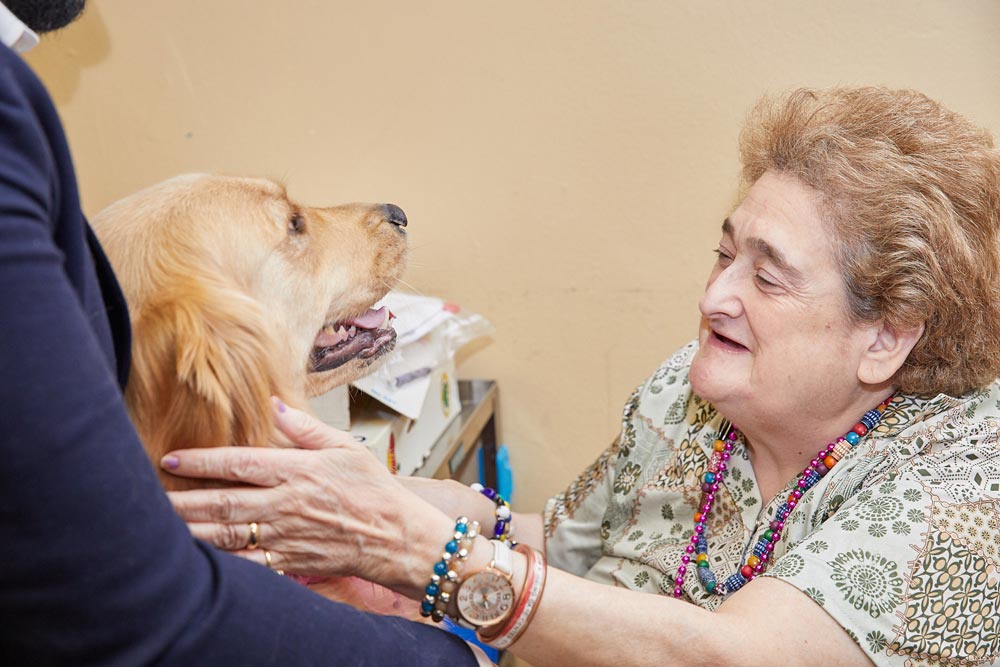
<point x="505" y="476"/>
<point x="470" y="636"/>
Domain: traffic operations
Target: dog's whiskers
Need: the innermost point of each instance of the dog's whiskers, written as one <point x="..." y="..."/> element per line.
<point x="407" y="285"/>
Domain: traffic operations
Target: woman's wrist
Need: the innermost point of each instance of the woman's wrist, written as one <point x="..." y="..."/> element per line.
<point x="485" y="510"/>
<point x="424" y="534"/>
<point x="528" y="598"/>
<point x="426" y="530"/>
<point x="481" y="556"/>
<point x="501" y="524"/>
<point x="526" y="574"/>
<point x="444" y="577"/>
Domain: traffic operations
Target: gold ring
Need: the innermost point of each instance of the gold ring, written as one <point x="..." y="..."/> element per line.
<point x="267" y="559"/>
<point x="254" y="541"/>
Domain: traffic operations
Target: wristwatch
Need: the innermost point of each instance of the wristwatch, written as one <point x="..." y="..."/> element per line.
<point x="486" y="597"/>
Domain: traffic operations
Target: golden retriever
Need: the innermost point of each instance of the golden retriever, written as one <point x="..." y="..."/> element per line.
<point x="237" y="293"/>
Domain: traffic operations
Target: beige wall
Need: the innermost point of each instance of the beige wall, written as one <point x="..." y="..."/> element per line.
<point x="565" y="165"/>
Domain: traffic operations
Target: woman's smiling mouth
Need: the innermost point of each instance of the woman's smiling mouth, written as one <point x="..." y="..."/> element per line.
<point x="726" y="343"/>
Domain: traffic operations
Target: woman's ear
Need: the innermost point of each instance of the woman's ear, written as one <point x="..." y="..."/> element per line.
<point x="887" y="352"/>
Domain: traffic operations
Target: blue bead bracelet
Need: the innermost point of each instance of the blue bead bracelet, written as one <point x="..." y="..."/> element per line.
<point x="444" y="577"/>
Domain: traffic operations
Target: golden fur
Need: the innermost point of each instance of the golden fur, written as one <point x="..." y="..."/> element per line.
<point x="228" y="283"/>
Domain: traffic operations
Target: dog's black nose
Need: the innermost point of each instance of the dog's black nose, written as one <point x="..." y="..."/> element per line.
<point x="394" y="215"/>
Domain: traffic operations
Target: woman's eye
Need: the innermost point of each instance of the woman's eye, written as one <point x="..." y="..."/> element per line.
<point x="723" y="256"/>
<point x="764" y="282"/>
<point x="296" y="224"/>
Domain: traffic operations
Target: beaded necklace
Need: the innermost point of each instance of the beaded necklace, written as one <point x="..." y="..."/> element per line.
<point x="712" y="479"/>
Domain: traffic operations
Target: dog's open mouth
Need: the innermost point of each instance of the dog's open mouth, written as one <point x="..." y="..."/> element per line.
<point x="364" y="337"/>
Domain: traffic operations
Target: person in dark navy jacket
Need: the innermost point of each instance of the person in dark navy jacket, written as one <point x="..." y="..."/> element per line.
<point x="95" y="566"/>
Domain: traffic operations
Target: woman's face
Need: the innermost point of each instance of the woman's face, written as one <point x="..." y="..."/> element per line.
<point x="775" y="337"/>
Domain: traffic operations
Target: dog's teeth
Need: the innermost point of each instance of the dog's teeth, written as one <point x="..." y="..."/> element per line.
<point x="353" y="330"/>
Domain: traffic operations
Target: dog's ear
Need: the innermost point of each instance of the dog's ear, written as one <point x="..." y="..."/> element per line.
<point x="205" y="364"/>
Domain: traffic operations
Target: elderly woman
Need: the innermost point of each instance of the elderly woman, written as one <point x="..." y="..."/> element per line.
<point x="815" y="481"/>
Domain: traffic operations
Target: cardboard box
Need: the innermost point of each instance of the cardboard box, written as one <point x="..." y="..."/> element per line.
<point x="375" y="432"/>
<point x="399" y="424"/>
<point x="333" y="408"/>
<point x="415" y="414"/>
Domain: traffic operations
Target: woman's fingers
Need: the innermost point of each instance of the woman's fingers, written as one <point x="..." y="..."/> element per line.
<point x="250" y="465"/>
<point x="258" y="465"/>
<point x="306" y="431"/>
<point x="231" y="506"/>
<point x="228" y="536"/>
<point x="312" y="509"/>
<point x="260" y="556"/>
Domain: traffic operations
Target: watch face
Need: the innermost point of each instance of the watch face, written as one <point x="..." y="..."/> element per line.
<point x="485" y="598"/>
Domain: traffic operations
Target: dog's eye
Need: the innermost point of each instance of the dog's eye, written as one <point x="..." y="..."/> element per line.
<point x="296" y="224"/>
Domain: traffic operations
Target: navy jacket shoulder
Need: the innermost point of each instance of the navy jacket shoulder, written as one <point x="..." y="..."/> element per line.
<point x="96" y="566"/>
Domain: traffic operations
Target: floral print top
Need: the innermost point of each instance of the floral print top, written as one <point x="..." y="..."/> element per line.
<point x="900" y="542"/>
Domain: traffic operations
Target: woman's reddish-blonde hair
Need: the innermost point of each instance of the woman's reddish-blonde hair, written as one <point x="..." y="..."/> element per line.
<point x="912" y="191"/>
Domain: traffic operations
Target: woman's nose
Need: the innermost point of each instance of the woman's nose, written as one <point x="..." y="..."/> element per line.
<point x="721" y="295"/>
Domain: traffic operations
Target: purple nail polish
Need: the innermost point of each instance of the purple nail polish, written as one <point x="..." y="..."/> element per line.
<point x="170" y="462"/>
<point x="281" y="406"/>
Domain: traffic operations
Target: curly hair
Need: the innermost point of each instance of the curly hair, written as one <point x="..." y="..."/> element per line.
<point x="912" y="192"/>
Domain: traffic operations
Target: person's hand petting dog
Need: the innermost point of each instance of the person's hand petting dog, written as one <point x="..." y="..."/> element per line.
<point x="326" y="508"/>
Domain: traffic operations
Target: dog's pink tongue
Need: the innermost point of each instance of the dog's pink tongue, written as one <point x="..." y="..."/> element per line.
<point x="371" y="319"/>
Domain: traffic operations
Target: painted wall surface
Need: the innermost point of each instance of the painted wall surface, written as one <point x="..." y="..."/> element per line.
<point x="565" y="165"/>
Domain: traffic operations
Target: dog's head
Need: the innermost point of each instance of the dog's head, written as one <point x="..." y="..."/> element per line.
<point x="237" y="293"/>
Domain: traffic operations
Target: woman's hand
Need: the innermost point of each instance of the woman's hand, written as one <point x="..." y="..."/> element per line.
<point x="329" y="508"/>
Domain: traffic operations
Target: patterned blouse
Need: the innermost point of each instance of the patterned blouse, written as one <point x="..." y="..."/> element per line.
<point x="900" y="542"/>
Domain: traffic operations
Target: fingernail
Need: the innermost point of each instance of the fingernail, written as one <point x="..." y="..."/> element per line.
<point x="281" y="406"/>
<point x="170" y="461"/>
<point x="277" y="404"/>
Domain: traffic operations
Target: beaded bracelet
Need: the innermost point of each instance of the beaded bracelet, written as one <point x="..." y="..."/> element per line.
<point x="503" y="530"/>
<point x="527" y="603"/>
<point x="437" y="595"/>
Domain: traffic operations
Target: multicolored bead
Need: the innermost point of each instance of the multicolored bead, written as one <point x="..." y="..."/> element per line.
<point x="502" y="529"/>
<point x="707" y="579"/>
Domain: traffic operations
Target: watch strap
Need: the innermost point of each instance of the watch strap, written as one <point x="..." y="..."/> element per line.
<point x="503" y="558"/>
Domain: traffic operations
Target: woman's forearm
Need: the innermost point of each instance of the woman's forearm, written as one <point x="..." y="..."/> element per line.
<point x="769" y="622"/>
<point x="582" y="623"/>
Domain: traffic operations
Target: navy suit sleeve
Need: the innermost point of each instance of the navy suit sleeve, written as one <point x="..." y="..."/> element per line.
<point x="95" y="567"/>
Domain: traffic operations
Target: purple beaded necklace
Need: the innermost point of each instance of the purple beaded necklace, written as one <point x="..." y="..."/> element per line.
<point x="712" y="479"/>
